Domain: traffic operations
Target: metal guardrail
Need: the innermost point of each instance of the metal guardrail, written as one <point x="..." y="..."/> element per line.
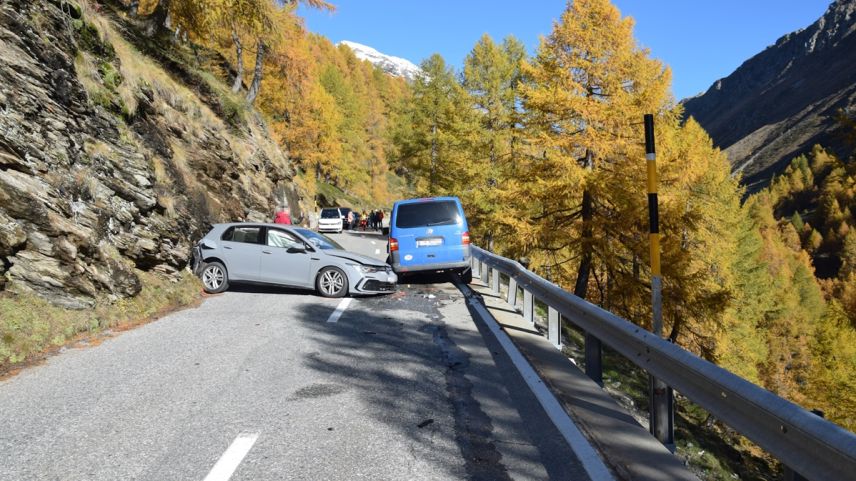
<point x="805" y="442"/>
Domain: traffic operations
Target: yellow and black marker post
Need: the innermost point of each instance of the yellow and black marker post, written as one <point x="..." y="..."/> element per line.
<point x="662" y="413"/>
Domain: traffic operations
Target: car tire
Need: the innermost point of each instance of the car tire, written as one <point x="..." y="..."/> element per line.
<point x="215" y="278"/>
<point x="331" y="282"/>
<point x="467" y="275"/>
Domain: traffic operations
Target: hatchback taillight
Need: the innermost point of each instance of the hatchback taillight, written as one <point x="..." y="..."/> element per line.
<point x="393" y="244"/>
<point x="465" y="238"/>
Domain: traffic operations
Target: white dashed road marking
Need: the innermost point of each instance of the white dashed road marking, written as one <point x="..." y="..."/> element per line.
<point x="233" y="456"/>
<point x="377" y="251"/>
<point x="339" y="310"/>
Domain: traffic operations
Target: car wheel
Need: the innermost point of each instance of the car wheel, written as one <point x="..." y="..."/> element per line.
<point x="214" y="277"/>
<point x="332" y="282"/>
<point x="467" y="275"/>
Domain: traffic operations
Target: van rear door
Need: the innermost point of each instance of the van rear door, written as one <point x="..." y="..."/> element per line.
<point x="430" y="232"/>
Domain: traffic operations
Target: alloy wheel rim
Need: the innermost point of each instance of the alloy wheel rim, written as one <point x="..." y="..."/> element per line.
<point x="213" y="277"/>
<point x="332" y="282"/>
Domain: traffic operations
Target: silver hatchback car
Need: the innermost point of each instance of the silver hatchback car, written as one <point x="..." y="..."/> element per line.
<point x="287" y="256"/>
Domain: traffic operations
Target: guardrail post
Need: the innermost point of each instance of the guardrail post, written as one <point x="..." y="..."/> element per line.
<point x="554" y="327"/>
<point x="494" y="281"/>
<point x="594" y="361"/>
<point x="512" y="292"/>
<point x="528" y="307"/>
<point x="483" y="271"/>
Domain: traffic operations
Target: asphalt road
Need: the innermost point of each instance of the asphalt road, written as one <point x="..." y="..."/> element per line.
<point x="256" y="384"/>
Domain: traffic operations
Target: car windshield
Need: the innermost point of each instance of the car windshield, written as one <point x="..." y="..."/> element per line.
<point x="444" y="212"/>
<point x="329" y="214"/>
<point x="319" y="240"/>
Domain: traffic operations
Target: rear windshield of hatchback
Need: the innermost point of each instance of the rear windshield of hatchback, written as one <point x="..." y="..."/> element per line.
<point x="422" y="214"/>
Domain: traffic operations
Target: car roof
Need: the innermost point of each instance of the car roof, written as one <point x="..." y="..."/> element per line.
<point x="256" y="224"/>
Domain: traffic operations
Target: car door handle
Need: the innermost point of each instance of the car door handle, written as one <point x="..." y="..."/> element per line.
<point x="227" y="247"/>
<point x="267" y="252"/>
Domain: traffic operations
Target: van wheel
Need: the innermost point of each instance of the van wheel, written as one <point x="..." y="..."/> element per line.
<point x="214" y="277"/>
<point x="467" y="275"/>
<point x="332" y="282"/>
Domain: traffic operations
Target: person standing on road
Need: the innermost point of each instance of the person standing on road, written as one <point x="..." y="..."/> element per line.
<point x="282" y="217"/>
<point x="380" y="219"/>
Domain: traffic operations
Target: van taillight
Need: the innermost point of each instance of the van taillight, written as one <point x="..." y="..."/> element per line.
<point x="393" y="244"/>
<point x="465" y="238"/>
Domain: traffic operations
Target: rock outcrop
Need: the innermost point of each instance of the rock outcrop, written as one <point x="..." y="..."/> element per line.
<point x="784" y="100"/>
<point x="107" y="163"/>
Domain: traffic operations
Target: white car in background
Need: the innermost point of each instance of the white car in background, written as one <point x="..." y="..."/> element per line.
<point x="330" y="220"/>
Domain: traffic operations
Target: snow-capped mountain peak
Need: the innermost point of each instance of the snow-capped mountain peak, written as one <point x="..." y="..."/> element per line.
<point x="396" y="66"/>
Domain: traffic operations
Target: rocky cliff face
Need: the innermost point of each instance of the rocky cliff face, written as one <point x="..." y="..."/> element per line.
<point x="107" y="163"/>
<point x="782" y="101"/>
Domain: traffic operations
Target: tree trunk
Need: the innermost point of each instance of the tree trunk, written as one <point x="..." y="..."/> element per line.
<point x="239" y="63"/>
<point x="431" y="174"/>
<point x="257" y="73"/>
<point x="581" y="287"/>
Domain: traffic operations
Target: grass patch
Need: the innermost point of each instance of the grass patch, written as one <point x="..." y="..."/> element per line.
<point x="31" y="327"/>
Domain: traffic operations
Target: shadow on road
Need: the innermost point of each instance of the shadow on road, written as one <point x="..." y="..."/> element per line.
<point x="270" y="289"/>
<point x="396" y="354"/>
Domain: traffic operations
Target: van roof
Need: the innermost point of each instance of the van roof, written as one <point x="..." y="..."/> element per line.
<point x="426" y="199"/>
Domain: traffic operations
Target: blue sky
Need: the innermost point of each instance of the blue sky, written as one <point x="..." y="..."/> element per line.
<point x="701" y="40"/>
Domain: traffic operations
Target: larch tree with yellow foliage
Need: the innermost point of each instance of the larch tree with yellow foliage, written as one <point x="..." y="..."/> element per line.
<point x="585" y="95"/>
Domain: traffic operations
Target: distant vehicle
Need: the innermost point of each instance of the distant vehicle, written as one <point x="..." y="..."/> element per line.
<point x="330" y="220"/>
<point x="287" y="256"/>
<point x="345" y="211"/>
<point x="429" y="235"/>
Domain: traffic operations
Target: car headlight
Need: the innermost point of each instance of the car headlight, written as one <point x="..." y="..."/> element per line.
<point x="368" y="269"/>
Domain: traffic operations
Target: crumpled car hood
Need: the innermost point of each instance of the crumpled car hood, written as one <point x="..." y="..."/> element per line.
<point x="369" y="261"/>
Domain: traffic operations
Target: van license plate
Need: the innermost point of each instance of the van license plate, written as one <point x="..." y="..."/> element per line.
<point x="429" y="242"/>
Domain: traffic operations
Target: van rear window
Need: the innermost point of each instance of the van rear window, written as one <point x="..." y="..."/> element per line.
<point x="419" y="214"/>
<point x="330" y="214"/>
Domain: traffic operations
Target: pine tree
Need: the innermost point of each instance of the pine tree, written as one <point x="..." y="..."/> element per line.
<point x="441" y="130"/>
<point x="588" y="88"/>
<point x="491" y="76"/>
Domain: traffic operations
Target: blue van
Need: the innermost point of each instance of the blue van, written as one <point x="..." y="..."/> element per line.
<point x="429" y="235"/>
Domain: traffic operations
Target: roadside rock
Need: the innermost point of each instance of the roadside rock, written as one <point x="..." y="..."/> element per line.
<point x="94" y="184"/>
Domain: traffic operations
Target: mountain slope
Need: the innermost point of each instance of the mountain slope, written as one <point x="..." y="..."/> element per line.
<point x="783" y="100"/>
<point x="396" y="66"/>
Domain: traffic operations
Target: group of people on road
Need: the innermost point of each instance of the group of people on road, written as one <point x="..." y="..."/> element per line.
<point x="355" y="220"/>
<point x="367" y="220"/>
